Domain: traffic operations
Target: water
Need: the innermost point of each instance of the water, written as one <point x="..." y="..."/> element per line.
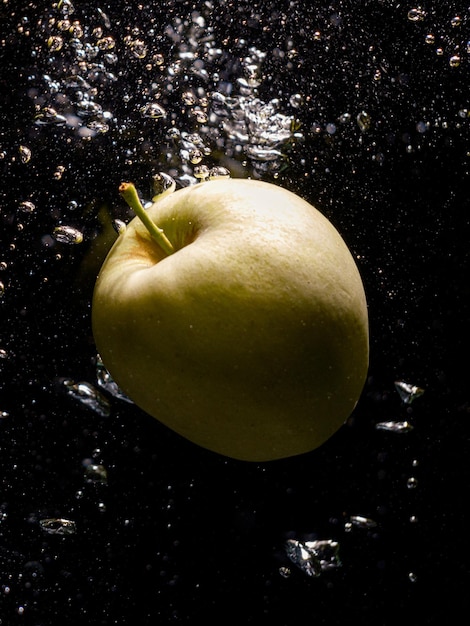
<point x="370" y="123"/>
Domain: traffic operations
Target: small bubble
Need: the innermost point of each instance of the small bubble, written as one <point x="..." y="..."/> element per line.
<point x="58" y="526"/>
<point x="106" y="43"/>
<point x="55" y="43"/>
<point x="412" y="483"/>
<point x="456" y="21"/>
<point x="58" y="173"/>
<point x="25" y="154"/>
<point x="96" y="474"/>
<point x="138" y="48"/>
<point x="412" y="577"/>
<point x="430" y="39"/>
<point x="218" y="172"/>
<point x="158" y="59"/>
<point x="189" y="99"/>
<point x="153" y="110"/>
<point x="296" y="100"/>
<point x="49" y="117"/>
<point x="394" y="426"/>
<point x="66" y="6"/>
<point x="364" y="121"/>
<point x="454" y="60"/>
<point x="89" y="396"/>
<point x="285" y="572"/>
<point x="63" y="25"/>
<point x="195" y="156"/>
<point x="27" y="206"/>
<point x="201" y="172"/>
<point x="68" y="234"/>
<point x="2" y="290"/>
<point x="201" y="116"/>
<point x="408" y="392"/>
<point x="416" y="15"/>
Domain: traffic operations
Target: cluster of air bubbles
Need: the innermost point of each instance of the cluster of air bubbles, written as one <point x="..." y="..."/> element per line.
<point x="451" y="47"/>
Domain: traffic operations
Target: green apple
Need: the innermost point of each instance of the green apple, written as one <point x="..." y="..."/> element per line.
<point x="234" y="313"/>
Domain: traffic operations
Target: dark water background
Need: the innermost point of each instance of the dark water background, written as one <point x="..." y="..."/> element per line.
<point x="176" y="534"/>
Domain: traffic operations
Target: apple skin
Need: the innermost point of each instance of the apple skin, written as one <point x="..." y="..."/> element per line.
<point x="251" y="339"/>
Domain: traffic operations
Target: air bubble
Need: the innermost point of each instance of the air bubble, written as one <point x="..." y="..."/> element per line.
<point x="68" y="234"/>
<point x="454" y="60"/>
<point x="55" y="43"/>
<point x="48" y="116"/>
<point x="138" y="48"/>
<point x="364" y="121"/>
<point x="408" y="392"/>
<point x="89" y="396"/>
<point x="153" y="110"/>
<point x="201" y="172"/>
<point x="106" y="43"/>
<point x="25" y="154"/>
<point x="27" y="206"/>
<point x="106" y="382"/>
<point x="218" y="172"/>
<point x="430" y="39"/>
<point x="58" y="526"/>
<point x="394" y="426"/>
<point x="195" y="156"/>
<point x="96" y="474"/>
<point x="189" y="99"/>
<point x="416" y="15"/>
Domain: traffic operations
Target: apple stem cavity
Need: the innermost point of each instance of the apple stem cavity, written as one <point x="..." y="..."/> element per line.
<point x="129" y="193"/>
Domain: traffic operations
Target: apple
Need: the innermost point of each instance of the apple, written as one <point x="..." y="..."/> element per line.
<point x="233" y="312"/>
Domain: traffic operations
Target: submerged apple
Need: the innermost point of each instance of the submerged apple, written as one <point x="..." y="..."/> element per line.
<point x="233" y="312"/>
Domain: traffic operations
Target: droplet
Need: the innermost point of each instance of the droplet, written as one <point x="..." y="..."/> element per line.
<point x="454" y="60"/>
<point x="58" y="526"/>
<point x="68" y="234"/>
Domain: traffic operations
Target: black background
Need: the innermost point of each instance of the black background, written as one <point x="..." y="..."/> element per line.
<point x="179" y="534"/>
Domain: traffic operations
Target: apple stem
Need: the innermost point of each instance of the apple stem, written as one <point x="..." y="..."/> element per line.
<point x="129" y="193"/>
